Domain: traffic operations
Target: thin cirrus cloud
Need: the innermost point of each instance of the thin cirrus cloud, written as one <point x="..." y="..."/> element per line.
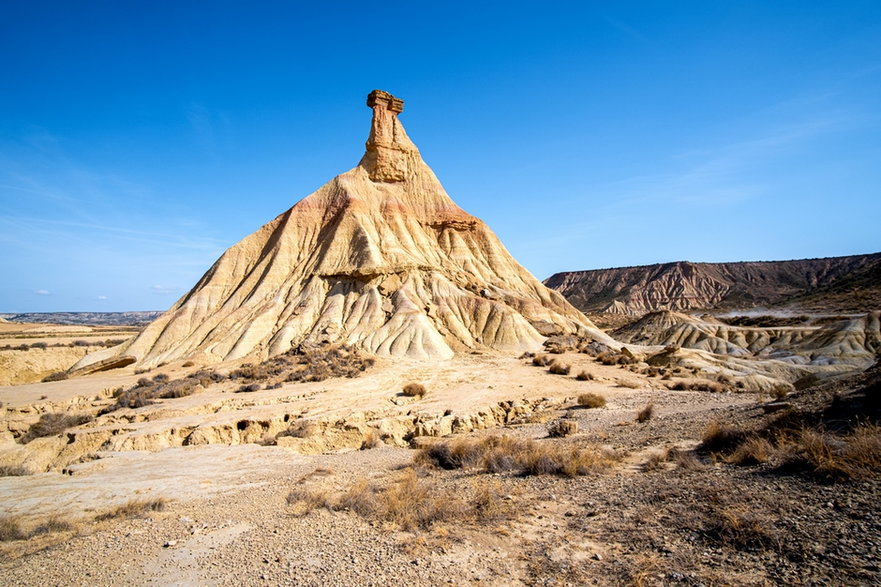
<point x="42" y="292"/>
<point x="164" y="289"/>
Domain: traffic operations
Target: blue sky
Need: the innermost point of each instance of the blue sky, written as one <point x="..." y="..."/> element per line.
<point x="139" y="140"/>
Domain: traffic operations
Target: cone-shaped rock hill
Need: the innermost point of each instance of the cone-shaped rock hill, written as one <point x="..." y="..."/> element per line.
<point x="379" y="257"/>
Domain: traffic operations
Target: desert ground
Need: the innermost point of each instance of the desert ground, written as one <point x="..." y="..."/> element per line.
<point x="346" y="480"/>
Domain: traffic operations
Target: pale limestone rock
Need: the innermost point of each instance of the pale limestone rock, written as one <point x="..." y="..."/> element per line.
<point x="379" y="257"/>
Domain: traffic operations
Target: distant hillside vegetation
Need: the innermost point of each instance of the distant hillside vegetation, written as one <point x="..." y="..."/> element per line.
<point x="89" y="318"/>
<point x="833" y="284"/>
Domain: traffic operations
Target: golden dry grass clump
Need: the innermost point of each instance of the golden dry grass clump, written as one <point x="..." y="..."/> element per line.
<point x="412" y="501"/>
<point x="591" y="400"/>
<point x="414" y="390"/>
<point x="499" y="454"/>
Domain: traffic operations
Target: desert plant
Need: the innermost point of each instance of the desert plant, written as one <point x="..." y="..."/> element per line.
<point x="541" y="360"/>
<point x="52" y="525"/>
<point x="646" y="413"/>
<point x="721" y="438"/>
<point x="11" y="529"/>
<point x="495" y="454"/>
<point x="584" y="376"/>
<point x="752" y="451"/>
<point x="558" y="368"/>
<point x="591" y="400"/>
<point x="371" y="440"/>
<point x="13" y="471"/>
<point x="248" y="388"/>
<point x="57" y="376"/>
<point x="562" y="427"/>
<point x="134" y="508"/>
<point x="53" y="423"/>
<point x="414" y="390"/>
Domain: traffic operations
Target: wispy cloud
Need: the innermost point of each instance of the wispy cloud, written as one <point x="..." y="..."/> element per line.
<point x="42" y="292"/>
<point x="211" y="128"/>
<point x="164" y="289"/>
<point x="102" y="298"/>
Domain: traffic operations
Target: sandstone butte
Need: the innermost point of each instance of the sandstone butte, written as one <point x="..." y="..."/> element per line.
<point x="379" y="257"/>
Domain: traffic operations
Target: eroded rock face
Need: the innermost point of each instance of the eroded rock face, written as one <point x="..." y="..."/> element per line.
<point x="380" y="257"/>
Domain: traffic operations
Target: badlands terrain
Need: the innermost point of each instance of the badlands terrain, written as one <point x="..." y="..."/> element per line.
<point x="370" y="390"/>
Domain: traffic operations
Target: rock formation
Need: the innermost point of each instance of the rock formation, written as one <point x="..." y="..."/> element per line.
<point x="836" y="284"/>
<point x="379" y="257"/>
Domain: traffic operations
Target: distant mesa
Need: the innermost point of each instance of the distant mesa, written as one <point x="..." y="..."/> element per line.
<point x="834" y="284"/>
<point x="379" y="257"/>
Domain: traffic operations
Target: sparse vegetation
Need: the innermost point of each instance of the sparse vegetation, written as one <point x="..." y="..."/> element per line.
<point x="414" y="390"/>
<point x="562" y="427"/>
<point x="559" y="368"/>
<point x="591" y="400"/>
<point x="584" y="376"/>
<point x="698" y="385"/>
<point x="646" y="413"/>
<point x="13" y="471"/>
<point x="57" y="376"/>
<point x="11" y="529"/>
<point x="541" y="360"/>
<point x="248" y="388"/>
<point x="410" y="502"/>
<point x="52" y="424"/>
<point x="497" y="454"/>
<point x="133" y="509"/>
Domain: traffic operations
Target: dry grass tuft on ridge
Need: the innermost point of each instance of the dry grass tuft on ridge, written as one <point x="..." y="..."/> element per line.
<point x="505" y="454"/>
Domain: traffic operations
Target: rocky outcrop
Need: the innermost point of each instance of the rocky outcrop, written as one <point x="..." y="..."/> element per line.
<point x="380" y="257"/>
<point x="838" y="284"/>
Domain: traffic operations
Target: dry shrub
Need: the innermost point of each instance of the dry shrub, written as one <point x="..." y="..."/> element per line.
<point x="323" y="363"/>
<point x="52" y="424"/>
<point x="371" y="440"/>
<point x="57" y="376"/>
<point x="541" y="360"/>
<point x="249" y="387"/>
<point x="13" y="471"/>
<point x="698" y="385"/>
<point x="830" y="457"/>
<point x="558" y="368"/>
<point x="414" y="390"/>
<point x="409" y="502"/>
<point x="614" y="358"/>
<point x="302" y="429"/>
<point x="584" y="376"/>
<point x="753" y="451"/>
<point x="497" y="454"/>
<point x="722" y="438"/>
<point x="133" y="509"/>
<point x="742" y="529"/>
<point x="562" y="427"/>
<point x="684" y="460"/>
<point x="628" y="384"/>
<point x="11" y="529"/>
<point x="591" y="400"/>
<point x="52" y="525"/>
<point x="646" y="413"/>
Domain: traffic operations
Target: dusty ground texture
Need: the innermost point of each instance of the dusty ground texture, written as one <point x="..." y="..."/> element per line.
<point x="648" y="515"/>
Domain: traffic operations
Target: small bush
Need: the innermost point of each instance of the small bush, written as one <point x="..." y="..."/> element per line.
<point x="248" y="388"/>
<point x="721" y="438"/>
<point x="584" y="376"/>
<point x="541" y="360"/>
<point x="646" y="413"/>
<point x="57" y="376"/>
<point x="591" y="400"/>
<point x="753" y="451"/>
<point x="371" y="440"/>
<point x="38" y="345"/>
<point x="562" y="427"/>
<point x="414" y="390"/>
<point x="52" y="424"/>
<point x="496" y="454"/>
<point x="558" y="368"/>
<point x="52" y="525"/>
<point x="134" y="508"/>
<point x="11" y="529"/>
<point x="13" y="471"/>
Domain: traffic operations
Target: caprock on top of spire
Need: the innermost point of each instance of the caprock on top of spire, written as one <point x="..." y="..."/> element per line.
<point x="388" y="146"/>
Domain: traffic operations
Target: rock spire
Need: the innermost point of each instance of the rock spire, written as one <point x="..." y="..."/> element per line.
<point x="379" y="257"/>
